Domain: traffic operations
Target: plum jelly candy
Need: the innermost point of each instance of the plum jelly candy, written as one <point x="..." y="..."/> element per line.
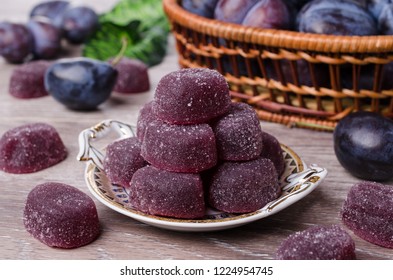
<point x="243" y="186"/>
<point x="179" y="148"/>
<point x="30" y="148"/>
<point x="27" y="80"/>
<point x="163" y="193"/>
<point x="145" y="116"/>
<point x="318" y="243"/>
<point x="122" y="159"/>
<point x="271" y="149"/>
<point x="368" y="212"/>
<point x="191" y="96"/>
<point x="132" y="76"/>
<point x="238" y="133"/>
<point x="61" y="216"/>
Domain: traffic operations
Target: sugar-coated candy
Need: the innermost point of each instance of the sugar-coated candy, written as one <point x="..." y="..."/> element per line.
<point x="146" y="115"/>
<point x="368" y="212"/>
<point x="30" y="148"/>
<point x="61" y="216"/>
<point x="272" y="150"/>
<point x="318" y="243"/>
<point x="132" y="76"/>
<point x="179" y="148"/>
<point x="163" y="193"/>
<point x="238" y="134"/>
<point x="27" y="80"/>
<point x="243" y="186"/>
<point x="122" y="159"/>
<point x="191" y="96"/>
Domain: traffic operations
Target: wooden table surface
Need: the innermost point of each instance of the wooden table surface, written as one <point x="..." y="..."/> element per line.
<point x="124" y="238"/>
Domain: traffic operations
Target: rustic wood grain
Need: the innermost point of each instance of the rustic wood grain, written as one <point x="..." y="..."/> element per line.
<point x="125" y="238"/>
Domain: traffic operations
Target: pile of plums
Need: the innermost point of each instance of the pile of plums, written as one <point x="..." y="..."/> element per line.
<point x="41" y="37"/>
<point x="336" y="17"/>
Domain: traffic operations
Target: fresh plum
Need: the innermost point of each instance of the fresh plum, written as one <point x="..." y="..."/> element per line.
<point x="363" y="144"/>
<point x="233" y="10"/>
<point x="46" y="37"/>
<point x="337" y="17"/>
<point x="16" y="42"/>
<point x="385" y="20"/>
<point x="52" y="10"/>
<point x="80" y="83"/>
<point x="79" y="23"/>
<point x="375" y="7"/>
<point x="204" y="8"/>
<point x="272" y="14"/>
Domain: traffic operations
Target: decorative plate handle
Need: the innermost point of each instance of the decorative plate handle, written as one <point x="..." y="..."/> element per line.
<point x="302" y="182"/>
<point x="87" y="152"/>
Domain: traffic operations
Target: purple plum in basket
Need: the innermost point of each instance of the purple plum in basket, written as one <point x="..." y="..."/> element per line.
<point x="375" y="7"/>
<point x="233" y="11"/>
<point x="272" y="14"/>
<point x="204" y="8"/>
<point x="336" y="17"/>
<point x="385" y="20"/>
<point x="363" y="143"/>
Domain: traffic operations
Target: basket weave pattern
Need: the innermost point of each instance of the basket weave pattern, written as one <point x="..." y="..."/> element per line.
<point x="291" y="78"/>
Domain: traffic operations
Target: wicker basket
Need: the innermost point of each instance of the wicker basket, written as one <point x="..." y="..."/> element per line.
<point x="297" y="79"/>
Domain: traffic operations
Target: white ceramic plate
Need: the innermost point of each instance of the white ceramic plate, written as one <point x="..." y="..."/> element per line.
<point x="297" y="181"/>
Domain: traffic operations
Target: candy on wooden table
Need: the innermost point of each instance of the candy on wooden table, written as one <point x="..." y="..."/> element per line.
<point x="30" y="148"/>
<point x="272" y="150"/>
<point x="145" y="116"/>
<point x="132" y="76"/>
<point x="158" y="192"/>
<point x="27" y="80"/>
<point x="179" y="148"/>
<point x="122" y="159"/>
<point x="61" y="216"/>
<point x="368" y="212"/>
<point x="243" y="186"/>
<point x="238" y="134"/>
<point x="191" y="96"/>
<point x="318" y="243"/>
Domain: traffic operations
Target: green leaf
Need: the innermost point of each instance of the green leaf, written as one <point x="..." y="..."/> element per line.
<point x="144" y="25"/>
<point x="134" y="10"/>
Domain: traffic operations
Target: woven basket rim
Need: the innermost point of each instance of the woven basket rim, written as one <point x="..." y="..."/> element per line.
<point x="278" y="38"/>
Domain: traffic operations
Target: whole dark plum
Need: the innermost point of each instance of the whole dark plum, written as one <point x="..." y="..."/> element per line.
<point x="385" y="20"/>
<point x="233" y="11"/>
<point x="46" y="37"/>
<point x="204" y="8"/>
<point x="375" y="7"/>
<point x="336" y="17"/>
<point x="80" y="83"/>
<point x="16" y="42"/>
<point x="52" y="10"/>
<point x="272" y="14"/>
<point x="363" y="144"/>
<point x="79" y="23"/>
